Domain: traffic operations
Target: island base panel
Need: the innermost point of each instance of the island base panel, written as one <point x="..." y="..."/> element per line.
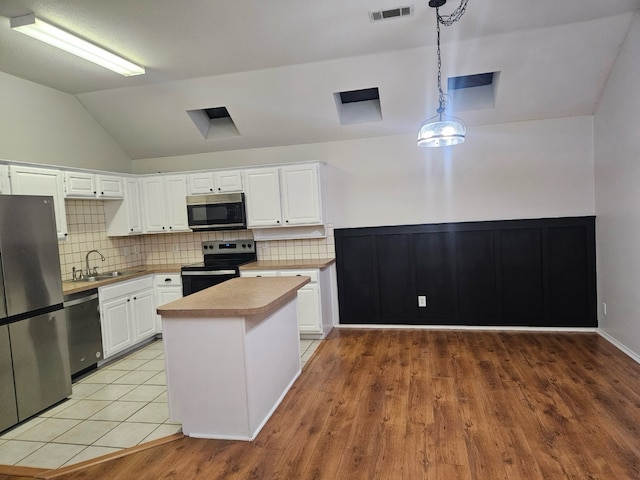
<point x="226" y="376"/>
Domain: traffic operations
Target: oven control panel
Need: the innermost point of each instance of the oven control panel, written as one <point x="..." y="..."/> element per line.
<point x="213" y="247"/>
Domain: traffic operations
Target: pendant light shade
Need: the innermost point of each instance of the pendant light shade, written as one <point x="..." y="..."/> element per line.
<point x="442" y="130"/>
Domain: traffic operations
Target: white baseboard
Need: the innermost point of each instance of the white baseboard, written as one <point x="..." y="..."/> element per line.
<point x="619" y="345"/>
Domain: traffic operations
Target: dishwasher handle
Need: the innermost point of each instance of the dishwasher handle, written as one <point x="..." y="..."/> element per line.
<point x="78" y="301"/>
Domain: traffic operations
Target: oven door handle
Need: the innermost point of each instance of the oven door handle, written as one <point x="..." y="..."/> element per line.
<point x="209" y="273"/>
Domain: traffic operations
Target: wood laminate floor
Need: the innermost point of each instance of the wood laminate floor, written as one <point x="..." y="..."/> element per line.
<point x="421" y="404"/>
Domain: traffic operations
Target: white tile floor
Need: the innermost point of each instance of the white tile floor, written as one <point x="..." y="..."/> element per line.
<point x="121" y="405"/>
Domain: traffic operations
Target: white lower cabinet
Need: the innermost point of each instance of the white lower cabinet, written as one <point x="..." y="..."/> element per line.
<point x="310" y="306"/>
<point x="127" y="314"/>
<point x="167" y="287"/>
<point x="115" y="318"/>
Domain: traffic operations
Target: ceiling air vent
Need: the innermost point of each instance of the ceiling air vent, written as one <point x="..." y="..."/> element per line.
<point x="472" y="92"/>
<point x="391" y="13"/>
<point x="214" y="122"/>
<point x="358" y="106"/>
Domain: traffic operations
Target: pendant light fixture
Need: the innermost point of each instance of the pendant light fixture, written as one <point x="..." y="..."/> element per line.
<point x="442" y="130"/>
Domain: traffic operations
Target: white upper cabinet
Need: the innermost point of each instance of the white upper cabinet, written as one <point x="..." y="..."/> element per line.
<point x="164" y="204"/>
<point x="262" y="191"/>
<point x="201" y="183"/>
<point x="124" y="218"/>
<point x="284" y="196"/>
<point x="300" y="189"/>
<point x="90" y="185"/>
<point x="79" y="185"/>
<point x="176" y="202"/>
<point x="110" y="187"/>
<point x="222" y="181"/>
<point x="153" y="218"/>
<point x="42" y="181"/>
<point x="228" y="181"/>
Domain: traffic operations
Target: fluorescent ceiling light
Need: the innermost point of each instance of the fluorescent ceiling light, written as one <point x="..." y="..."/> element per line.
<point x="45" y="32"/>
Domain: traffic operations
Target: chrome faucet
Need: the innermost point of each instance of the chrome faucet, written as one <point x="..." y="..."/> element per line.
<point x="95" y="271"/>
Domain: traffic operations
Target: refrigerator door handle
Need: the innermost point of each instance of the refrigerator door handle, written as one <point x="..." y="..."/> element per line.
<point x="3" y="300"/>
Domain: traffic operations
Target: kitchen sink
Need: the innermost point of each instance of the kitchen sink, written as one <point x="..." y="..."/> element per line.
<point x="107" y="275"/>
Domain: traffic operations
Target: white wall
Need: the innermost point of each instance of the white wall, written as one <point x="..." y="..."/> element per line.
<point x="617" y="174"/>
<point x="519" y="170"/>
<point x="42" y="125"/>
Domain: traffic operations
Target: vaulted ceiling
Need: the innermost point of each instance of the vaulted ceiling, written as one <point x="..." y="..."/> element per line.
<point x="276" y="65"/>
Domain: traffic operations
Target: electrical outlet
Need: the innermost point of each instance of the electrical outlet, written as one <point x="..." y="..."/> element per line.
<point x="125" y="251"/>
<point x="422" y="300"/>
<point x="136" y="249"/>
<point x="176" y="248"/>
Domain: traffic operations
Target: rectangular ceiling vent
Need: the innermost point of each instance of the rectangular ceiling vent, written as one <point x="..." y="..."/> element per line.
<point x="397" y="12"/>
<point x="214" y="122"/>
<point x="358" y="106"/>
<point x="473" y="92"/>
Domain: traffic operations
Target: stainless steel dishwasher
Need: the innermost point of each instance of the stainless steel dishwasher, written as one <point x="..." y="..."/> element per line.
<point x="84" y="331"/>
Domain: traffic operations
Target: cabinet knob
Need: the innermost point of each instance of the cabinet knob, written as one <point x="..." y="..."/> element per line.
<point x="101" y="193"/>
<point x="128" y="299"/>
<point x="286" y="221"/>
<point x="163" y="228"/>
<point x="277" y="221"/>
<point x="167" y="280"/>
<point x="211" y="189"/>
<point x="132" y="229"/>
<point x="170" y="228"/>
<point x="95" y="193"/>
<point x="219" y="189"/>
<point x="135" y="298"/>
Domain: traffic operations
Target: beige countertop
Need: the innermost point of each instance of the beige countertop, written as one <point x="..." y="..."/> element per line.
<point x="237" y="297"/>
<point x="69" y="287"/>
<point x="285" y="264"/>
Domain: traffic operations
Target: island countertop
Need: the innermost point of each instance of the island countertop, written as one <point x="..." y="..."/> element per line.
<point x="237" y="297"/>
<point x="285" y="264"/>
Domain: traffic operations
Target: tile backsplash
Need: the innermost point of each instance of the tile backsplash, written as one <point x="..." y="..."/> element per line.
<point x="87" y="231"/>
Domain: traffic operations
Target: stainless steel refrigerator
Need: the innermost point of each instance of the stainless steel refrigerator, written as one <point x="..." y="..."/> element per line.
<point x="34" y="355"/>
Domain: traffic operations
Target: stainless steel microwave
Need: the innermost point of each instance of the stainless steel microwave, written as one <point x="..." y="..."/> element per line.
<point x="217" y="212"/>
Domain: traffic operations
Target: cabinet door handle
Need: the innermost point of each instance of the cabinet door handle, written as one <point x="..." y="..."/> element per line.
<point x="167" y="280"/>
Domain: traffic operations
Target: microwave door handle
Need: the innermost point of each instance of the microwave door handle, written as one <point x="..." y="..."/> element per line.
<point x="210" y="273"/>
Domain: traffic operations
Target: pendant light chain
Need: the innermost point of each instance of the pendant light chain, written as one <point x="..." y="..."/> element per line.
<point x="447" y="21"/>
<point x="441" y="98"/>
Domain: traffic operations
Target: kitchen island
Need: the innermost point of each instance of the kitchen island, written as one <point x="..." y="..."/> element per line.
<point x="232" y="352"/>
